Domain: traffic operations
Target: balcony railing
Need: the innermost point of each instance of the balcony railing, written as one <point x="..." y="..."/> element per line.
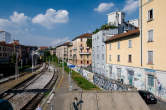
<point x="85" y="53"/>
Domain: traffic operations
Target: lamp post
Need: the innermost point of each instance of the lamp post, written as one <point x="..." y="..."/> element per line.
<point x="16" y="66"/>
<point x="32" y="61"/>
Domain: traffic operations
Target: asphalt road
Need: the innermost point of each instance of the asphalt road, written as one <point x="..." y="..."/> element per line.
<point x="159" y="106"/>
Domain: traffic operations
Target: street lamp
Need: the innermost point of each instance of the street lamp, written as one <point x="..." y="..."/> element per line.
<point x="32" y="60"/>
<point x="16" y="66"/>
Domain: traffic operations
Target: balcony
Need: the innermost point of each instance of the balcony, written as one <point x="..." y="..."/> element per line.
<point x="85" y="53"/>
<point x="81" y="47"/>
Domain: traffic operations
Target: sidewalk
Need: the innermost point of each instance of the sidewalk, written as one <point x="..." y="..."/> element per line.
<point x="62" y="88"/>
<point x="92" y="100"/>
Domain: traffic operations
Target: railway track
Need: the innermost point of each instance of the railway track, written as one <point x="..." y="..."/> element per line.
<point x="7" y="95"/>
<point x="32" y="104"/>
<point x="29" y="101"/>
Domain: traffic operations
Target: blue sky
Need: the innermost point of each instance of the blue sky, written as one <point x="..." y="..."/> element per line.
<point x="48" y="22"/>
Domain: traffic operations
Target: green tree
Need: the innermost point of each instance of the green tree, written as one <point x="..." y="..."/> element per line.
<point x="89" y="43"/>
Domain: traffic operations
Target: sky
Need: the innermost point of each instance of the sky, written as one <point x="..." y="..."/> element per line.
<point x="50" y="22"/>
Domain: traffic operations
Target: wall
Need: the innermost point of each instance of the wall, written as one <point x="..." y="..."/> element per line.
<point x="158" y="25"/>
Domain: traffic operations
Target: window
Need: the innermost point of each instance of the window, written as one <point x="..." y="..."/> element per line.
<point x="109" y="57"/>
<point x="87" y="62"/>
<point x="130" y="58"/>
<point x="130" y="43"/>
<point x="110" y="46"/>
<point x="151" y="80"/>
<point x="119" y="73"/>
<point x="103" y="56"/>
<point x="110" y="70"/>
<point x="150" y="57"/>
<point x="81" y="62"/>
<point x="118" y="45"/>
<point x="150" y="15"/>
<point x="150" y="35"/>
<point x="118" y="58"/>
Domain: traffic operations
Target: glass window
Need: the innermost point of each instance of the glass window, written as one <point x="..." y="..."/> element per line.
<point x="130" y="44"/>
<point x="151" y="80"/>
<point x="130" y="58"/>
<point x="109" y="57"/>
<point x="118" y="45"/>
<point x="103" y="56"/>
<point x="118" y="58"/>
<point x="150" y="57"/>
<point x="150" y="35"/>
<point x="150" y="15"/>
<point x="110" y="46"/>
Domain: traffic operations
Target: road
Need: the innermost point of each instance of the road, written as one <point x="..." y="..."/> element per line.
<point x="161" y="105"/>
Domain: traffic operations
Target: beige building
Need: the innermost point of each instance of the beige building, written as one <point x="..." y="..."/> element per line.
<point x="138" y="57"/>
<point x="62" y="51"/>
<point x="81" y="53"/>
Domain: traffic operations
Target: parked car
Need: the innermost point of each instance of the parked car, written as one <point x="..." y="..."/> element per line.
<point x="148" y="97"/>
<point x="5" y="105"/>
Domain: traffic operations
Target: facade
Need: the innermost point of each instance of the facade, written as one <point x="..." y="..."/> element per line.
<point x="5" y="37"/>
<point x="138" y="57"/>
<point x="70" y="53"/>
<point x="98" y="46"/>
<point x="98" y="50"/>
<point x="62" y="51"/>
<point x="6" y="51"/>
<point x="81" y="53"/>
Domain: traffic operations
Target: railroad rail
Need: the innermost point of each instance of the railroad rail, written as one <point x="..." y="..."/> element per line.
<point x="32" y="104"/>
<point x="22" y="85"/>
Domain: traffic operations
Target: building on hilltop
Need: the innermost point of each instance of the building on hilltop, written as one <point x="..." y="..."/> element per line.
<point x="5" y="37"/>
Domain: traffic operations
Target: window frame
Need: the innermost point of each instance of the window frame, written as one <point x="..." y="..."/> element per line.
<point x="110" y="57"/>
<point x="118" y="58"/>
<point x="130" y="58"/>
<point x="118" y="45"/>
<point x="152" y="55"/>
<point x="150" y="19"/>
<point x="129" y="43"/>
<point x="151" y="80"/>
<point x="150" y="39"/>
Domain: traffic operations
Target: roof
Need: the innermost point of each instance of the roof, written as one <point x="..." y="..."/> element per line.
<point x="5" y="44"/>
<point x="86" y="35"/>
<point x="123" y="35"/>
<point x="64" y="44"/>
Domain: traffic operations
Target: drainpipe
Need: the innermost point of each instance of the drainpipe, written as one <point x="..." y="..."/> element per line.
<point x="140" y="24"/>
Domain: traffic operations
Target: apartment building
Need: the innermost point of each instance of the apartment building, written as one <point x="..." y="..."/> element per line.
<point x="62" y="51"/>
<point x="70" y="53"/>
<point x="5" y="36"/>
<point x="137" y="57"/>
<point x="6" y="51"/>
<point x="81" y="53"/>
<point x="122" y="53"/>
<point x="117" y="21"/>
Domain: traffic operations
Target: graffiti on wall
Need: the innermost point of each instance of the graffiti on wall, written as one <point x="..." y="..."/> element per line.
<point x="108" y="84"/>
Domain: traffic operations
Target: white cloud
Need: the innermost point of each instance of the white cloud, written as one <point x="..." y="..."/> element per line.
<point x="51" y="17"/>
<point x="104" y="7"/>
<point x="18" y="18"/>
<point x="131" y="6"/>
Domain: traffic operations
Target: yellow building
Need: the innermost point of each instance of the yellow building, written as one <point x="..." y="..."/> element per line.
<point x="138" y="57"/>
<point x="122" y="54"/>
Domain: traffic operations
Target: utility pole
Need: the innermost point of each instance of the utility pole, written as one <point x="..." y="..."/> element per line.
<point x="32" y="61"/>
<point x="16" y="66"/>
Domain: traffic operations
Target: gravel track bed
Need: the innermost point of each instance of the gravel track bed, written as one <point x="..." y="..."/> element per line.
<point x="18" y="101"/>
